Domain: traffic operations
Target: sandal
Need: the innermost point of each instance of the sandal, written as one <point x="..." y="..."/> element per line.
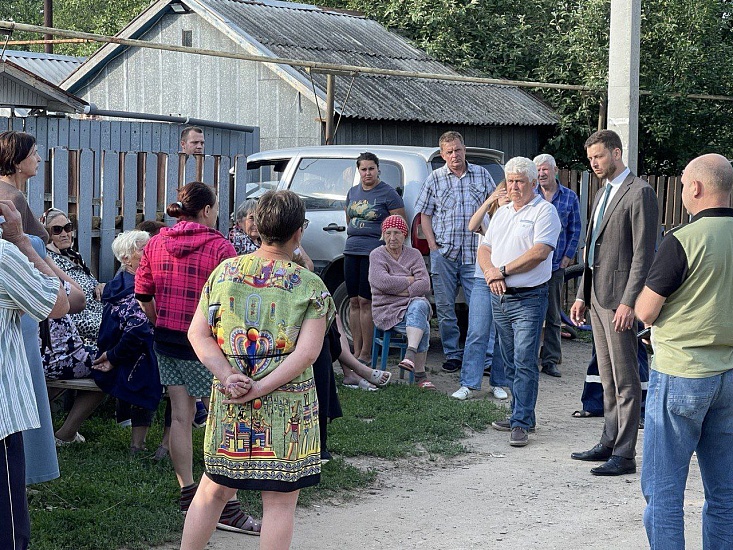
<point x="362" y="385"/>
<point x="426" y="385"/>
<point x="380" y="377"/>
<point x="407" y="365"/>
<point x="583" y="414"/>
<point x="233" y="519"/>
<point x="160" y="453"/>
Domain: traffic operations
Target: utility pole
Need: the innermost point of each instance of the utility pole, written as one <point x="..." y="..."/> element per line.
<point x="48" y="22"/>
<point x="623" y="76"/>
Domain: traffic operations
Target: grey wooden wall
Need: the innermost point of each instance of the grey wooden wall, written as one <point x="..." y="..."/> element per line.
<point x="109" y="176"/>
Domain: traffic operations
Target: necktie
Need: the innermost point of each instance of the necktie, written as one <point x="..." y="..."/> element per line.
<point x="597" y="226"/>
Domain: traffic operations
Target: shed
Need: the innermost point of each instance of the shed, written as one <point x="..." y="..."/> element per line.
<point x="284" y="101"/>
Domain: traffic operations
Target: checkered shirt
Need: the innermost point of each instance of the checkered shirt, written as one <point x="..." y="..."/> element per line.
<point x="451" y="201"/>
<point x="174" y="267"/>
<point x="566" y="203"/>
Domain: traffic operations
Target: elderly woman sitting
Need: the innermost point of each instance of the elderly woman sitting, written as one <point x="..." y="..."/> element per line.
<point x="126" y="366"/>
<point x="399" y="282"/>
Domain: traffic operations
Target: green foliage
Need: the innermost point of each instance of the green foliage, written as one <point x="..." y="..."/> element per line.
<point x="685" y="49"/>
<point x="95" y="16"/>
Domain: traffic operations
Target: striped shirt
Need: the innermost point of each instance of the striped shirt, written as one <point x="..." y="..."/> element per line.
<point x="23" y="289"/>
<point x="451" y="201"/>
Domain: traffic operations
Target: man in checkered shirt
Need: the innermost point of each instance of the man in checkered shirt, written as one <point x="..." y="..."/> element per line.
<point x="447" y="200"/>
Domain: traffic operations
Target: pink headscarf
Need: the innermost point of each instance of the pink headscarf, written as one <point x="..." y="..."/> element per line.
<point x="396" y="222"/>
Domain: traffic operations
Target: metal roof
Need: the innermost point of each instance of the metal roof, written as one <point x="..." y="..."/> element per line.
<point x="299" y="31"/>
<point x="51" y="67"/>
<point x="320" y="34"/>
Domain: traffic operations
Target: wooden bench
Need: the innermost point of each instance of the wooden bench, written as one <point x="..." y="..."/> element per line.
<point x="86" y="384"/>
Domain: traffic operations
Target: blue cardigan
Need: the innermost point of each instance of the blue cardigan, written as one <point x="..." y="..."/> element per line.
<point x="127" y="337"/>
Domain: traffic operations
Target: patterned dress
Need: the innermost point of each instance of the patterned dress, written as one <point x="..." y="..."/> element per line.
<point x="87" y="321"/>
<point x="255" y="308"/>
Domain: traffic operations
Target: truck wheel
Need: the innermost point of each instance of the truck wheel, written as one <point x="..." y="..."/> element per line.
<point x="341" y="298"/>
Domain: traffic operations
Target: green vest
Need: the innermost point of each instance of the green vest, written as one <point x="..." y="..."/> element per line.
<point x="693" y="335"/>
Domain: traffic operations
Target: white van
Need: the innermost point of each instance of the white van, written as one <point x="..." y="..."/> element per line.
<point x="322" y="175"/>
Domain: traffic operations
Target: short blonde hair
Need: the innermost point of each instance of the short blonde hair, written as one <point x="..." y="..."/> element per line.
<point x="127" y="243"/>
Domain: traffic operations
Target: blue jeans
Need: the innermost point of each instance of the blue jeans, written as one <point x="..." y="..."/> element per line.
<point x="686" y="415"/>
<point x="446" y="274"/>
<point x="417" y="315"/>
<point x="482" y="345"/>
<point x="518" y="319"/>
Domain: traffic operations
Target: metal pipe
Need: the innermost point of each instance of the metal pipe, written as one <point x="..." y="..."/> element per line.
<point x="313" y="65"/>
<point x="93" y="110"/>
<point x="351" y="70"/>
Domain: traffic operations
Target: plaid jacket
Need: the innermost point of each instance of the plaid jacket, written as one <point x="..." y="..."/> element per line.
<point x="174" y="267"/>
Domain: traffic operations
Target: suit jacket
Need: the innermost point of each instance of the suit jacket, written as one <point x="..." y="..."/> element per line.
<point x="625" y="245"/>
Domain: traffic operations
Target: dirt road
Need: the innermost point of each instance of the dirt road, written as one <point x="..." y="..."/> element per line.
<point x="496" y="496"/>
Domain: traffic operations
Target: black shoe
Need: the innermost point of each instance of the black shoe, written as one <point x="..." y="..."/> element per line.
<point x="452" y="365"/>
<point x="551" y="370"/>
<point x="598" y="453"/>
<point x="325" y="456"/>
<point x="615" y="466"/>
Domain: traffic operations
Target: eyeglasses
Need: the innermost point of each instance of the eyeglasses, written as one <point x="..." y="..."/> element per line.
<point x="58" y="229"/>
<point x="305" y="224"/>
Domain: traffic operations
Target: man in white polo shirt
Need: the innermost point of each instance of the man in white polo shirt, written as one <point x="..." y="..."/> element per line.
<point x="516" y="258"/>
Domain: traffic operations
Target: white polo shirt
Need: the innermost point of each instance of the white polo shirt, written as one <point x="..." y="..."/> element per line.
<point x="513" y="233"/>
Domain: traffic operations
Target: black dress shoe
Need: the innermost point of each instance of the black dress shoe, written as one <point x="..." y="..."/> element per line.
<point x="598" y="453"/>
<point x="615" y="466"/>
<point x="551" y="370"/>
<point x="452" y="365"/>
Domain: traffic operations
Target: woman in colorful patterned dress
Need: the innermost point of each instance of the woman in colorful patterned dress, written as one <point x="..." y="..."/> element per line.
<point x="259" y="328"/>
<point x="174" y="266"/>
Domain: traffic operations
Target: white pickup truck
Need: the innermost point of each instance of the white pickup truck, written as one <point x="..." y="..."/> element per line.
<point x="322" y="175"/>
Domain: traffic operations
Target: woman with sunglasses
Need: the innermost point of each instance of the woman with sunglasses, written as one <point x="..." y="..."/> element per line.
<point x="61" y="239"/>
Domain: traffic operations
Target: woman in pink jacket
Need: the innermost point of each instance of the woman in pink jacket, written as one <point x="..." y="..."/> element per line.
<point x="400" y="281"/>
<point x="173" y="269"/>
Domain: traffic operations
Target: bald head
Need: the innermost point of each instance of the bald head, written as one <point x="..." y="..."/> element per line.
<point x="707" y="183"/>
<point x="713" y="171"/>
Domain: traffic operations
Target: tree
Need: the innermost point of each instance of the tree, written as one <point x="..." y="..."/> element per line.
<point x="95" y="16"/>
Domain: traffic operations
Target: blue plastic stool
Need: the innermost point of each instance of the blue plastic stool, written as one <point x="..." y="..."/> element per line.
<point x="382" y="341"/>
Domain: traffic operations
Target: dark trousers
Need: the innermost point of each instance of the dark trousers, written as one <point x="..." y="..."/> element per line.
<point x="328" y="401"/>
<point x="15" y="524"/>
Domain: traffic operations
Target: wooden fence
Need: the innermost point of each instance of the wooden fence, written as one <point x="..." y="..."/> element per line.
<point x="109" y="176"/>
<point x="668" y="189"/>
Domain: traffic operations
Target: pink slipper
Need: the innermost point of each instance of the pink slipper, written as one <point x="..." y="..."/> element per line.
<point x="407" y="364"/>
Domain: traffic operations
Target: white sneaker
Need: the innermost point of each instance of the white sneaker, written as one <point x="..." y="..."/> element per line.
<point x="462" y="393"/>
<point x="499" y="393"/>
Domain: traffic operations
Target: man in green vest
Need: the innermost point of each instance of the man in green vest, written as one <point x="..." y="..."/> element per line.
<point x="688" y="300"/>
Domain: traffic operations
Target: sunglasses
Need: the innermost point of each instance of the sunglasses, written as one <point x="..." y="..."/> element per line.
<point x="305" y="224"/>
<point x="58" y="229"/>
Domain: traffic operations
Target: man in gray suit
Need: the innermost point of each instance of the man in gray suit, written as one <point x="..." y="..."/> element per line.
<point x="622" y="231"/>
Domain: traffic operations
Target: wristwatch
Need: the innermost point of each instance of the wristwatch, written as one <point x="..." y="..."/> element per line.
<point x="502" y="270"/>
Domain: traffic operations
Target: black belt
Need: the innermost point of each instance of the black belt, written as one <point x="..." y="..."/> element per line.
<point x="518" y="289"/>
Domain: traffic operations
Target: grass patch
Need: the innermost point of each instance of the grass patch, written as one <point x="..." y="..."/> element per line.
<point x="105" y="500"/>
<point x="399" y="419"/>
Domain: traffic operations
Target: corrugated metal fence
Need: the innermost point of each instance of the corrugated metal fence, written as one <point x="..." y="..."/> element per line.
<point x="109" y="176"/>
